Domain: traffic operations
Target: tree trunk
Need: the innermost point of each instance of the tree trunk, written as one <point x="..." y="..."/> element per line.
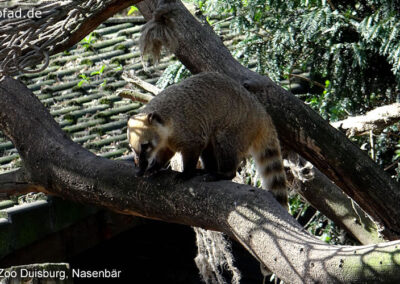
<point x="55" y="164"/>
<point x="299" y="127"/>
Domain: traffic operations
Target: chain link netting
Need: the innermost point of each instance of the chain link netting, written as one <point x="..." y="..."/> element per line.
<point x="31" y="30"/>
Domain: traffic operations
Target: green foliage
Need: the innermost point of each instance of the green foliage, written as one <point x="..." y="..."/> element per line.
<point x="388" y="150"/>
<point x="297" y="206"/>
<point x="397" y="157"/>
<point x="355" y="45"/>
<point x="88" y="42"/>
<point x="132" y="10"/>
<point x="316" y="223"/>
<point x="329" y="106"/>
<point x="173" y="74"/>
<point x="86" y="79"/>
<point x="98" y="72"/>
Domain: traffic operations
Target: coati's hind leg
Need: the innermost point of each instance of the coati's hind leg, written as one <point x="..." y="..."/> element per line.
<point x="226" y="159"/>
<point x="209" y="159"/>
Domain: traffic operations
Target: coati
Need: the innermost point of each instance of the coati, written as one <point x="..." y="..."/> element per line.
<point x="212" y="117"/>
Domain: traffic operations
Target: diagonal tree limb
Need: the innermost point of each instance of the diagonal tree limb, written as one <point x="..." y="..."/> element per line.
<point x="131" y="78"/>
<point x="330" y="200"/>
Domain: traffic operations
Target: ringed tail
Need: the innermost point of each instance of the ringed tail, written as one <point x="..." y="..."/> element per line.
<point x="270" y="167"/>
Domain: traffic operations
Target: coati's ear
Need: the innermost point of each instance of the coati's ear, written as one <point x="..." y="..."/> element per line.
<point x="154" y="117"/>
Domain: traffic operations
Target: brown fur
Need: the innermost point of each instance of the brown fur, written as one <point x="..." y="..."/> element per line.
<point x="159" y="32"/>
<point x="212" y="117"/>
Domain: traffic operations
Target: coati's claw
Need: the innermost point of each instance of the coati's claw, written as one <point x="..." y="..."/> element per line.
<point x="210" y="177"/>
<point x="182" y="177"/>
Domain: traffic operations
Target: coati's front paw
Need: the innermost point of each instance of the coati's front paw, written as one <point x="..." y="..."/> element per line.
<point x="151" y="172"/>
<point x="148" y="173"/>
<point x="209" y="177"/>
<point x="184" y="176"/>
<point x="190" y="174"/>
<point x="139" y="173"/>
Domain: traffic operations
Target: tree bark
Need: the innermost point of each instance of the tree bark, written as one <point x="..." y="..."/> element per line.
<point x="299" y="127"/>
<point x="335" y="204"/>
<point x="55" y="164"/>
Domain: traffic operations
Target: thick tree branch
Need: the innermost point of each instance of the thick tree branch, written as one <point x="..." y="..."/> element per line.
<point x="375" y="120"/>
<point x="251" y="216"/>
<point x="299" y="127"/>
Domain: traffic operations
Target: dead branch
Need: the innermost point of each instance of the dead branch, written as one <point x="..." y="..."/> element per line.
<point x="375" y="120"/>
<point x="134" y="95"/>
<point x="131" y="78"/>
<point x="322" y="86"/>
